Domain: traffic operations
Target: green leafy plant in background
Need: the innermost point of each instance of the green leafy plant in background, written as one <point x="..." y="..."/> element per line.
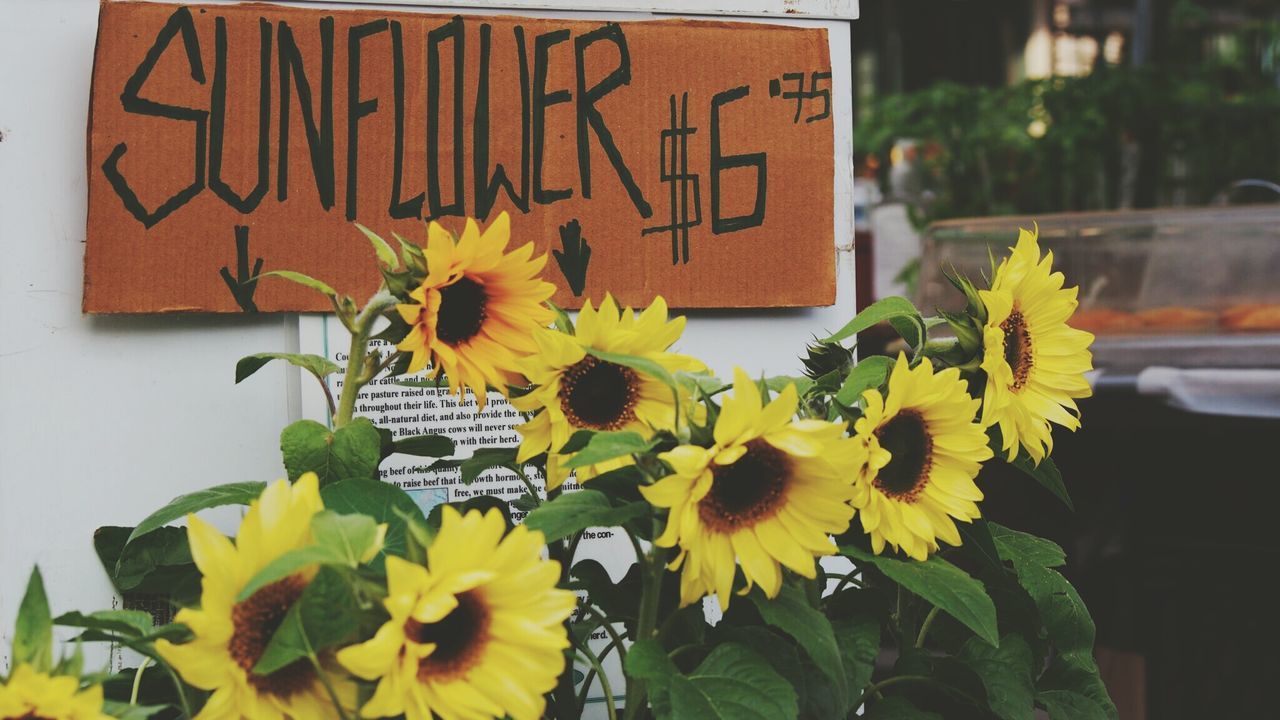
<point x="1117" y="137"/>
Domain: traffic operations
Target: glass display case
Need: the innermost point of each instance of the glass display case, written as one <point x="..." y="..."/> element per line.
<point x="1181" y="287"/>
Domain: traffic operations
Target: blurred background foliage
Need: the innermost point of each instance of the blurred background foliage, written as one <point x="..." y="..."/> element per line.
<point x="1174" y="129"/>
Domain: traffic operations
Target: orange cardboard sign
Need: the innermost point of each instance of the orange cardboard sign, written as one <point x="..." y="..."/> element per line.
<point x="689" y="159"/>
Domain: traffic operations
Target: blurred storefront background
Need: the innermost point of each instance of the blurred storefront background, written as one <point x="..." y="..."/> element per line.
<point x="1144" y="137"/>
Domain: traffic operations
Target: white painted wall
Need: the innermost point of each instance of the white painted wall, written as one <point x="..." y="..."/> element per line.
<point x="103" y="419"/>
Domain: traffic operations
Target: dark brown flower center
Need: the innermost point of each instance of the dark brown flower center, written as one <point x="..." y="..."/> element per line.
<point x="255" y="620"/>
<point x="908" y="441"/>
<point x="462" y="311"/>
<point x="599" y="395"/>
<point x="1017" y="348"/>
<point x="747" y="491"/>
<point x="31" y="715"/>
<point x="459" y="637"/>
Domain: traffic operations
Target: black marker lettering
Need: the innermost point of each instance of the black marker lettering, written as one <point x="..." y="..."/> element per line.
<point x="411" y="208"/>
<point x="589" y="116"/>
<point x="541" y="101"/>
<point x="319" y="140"/>
<point x="357" y="108"/>
<point x="218" y="118"/>
<point x="486" y="187"/>
<point x="721" y="162"/>
<point x="132" y="102"/>
<point x="453" y="30"/>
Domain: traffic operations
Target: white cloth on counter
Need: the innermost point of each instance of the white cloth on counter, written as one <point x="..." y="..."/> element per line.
<point x="1211" y="391"/>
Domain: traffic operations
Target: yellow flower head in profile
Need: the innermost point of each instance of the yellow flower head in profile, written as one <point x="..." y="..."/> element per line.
<point x="231" y="636"/>
<point x="39" y="696"/>
<point x="919" y="449"/>
<point x="478" y="633"/>
<point x="1035" y="362"/>
<point x="577" y="391"/>
<point x="768" y="493"/>
<point x="475" y="312"/>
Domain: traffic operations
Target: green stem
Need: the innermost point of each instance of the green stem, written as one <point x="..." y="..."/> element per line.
<point x="137" y="680"/>
<point x="355" y="377"/>
<point x="608" y="628"/>
<point x="528" y="484"/>
<point x="328" y="685"/>
<point x="682" y="650"/>
<point x="924" y="627"/>
<point x="647" y="623"/>
<point x="180" y="688"/>
<point x="609" y="705"/>
<point x="563" y="695"/>
<point x="640" y="556"/>
<point x="876" y="688"/>
<point x="591" y="674"/>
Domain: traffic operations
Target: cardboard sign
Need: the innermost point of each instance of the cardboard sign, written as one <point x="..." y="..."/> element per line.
<point x="689" y="159"/>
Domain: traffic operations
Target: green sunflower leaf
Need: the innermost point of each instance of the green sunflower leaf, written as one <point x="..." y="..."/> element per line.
<point x="327" y="613"/>
<point x="1019" y="547"/>
<point x="288" y="564"/>
<point x="609" y="445"/>
<point x="859" y="641"/>
<point x="241" y="493"/>
<point x="1062" y="611"/>
<point x="126" y="711"/>
<point x="350" y="536"/>
<point x="778" y="383"/>
<point x="414" y="259"/>
<point x="1078" y="672"/>
<point x="733" y="683"/>
<point x="944" y="585"/>
<point x="562" y="321"/>
<point x="351" y="452"/>
<point x="1068" y="705"/>
<point x="709" y="384"/>
<point x="869" y="373"/>
<point x="33" y="633"/>
<point x="644" y="365"/>
<point x="159" y="563"/>
<point x="791" y="613"/>
<point x="647" y="661"/>
<point x="132" y="623"/>
<point x="576" y="441"/>
<point x="1046" y="473"/>
<point x="1006" y="674"/>
<point x="425" y="446"/>
<point x="304" y="280"/>
<point x="485" y="459"/>
<point x="383" y="502"/>
<point x="883" y="310"/>
<point x="385" y="254"/>
<point x="579" y="510"/>
<point x="316" y="365"/>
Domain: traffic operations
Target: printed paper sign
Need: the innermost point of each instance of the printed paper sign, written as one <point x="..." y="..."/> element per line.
<point x="692" y="159"/>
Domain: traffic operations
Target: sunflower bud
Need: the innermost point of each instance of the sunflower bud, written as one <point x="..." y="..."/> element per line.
<point x="973" y="302"/>
<point x="824" y="358"/>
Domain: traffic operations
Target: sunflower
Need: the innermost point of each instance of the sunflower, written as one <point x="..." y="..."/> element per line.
<point x="474" y="313"/>
<point x="578" y="391"/>
<point x="231" y="636"/>
<point x="919" y="449"/>
<point x="30" y="695"/>
<point x="1035" y="362"/>
<point x="768" y="493"/>
<point x="478" y="633"/>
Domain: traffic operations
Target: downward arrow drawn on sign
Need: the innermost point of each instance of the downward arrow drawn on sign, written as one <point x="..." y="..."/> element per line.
<point x="245" y="283"/>
<point x="575" y="258"/>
